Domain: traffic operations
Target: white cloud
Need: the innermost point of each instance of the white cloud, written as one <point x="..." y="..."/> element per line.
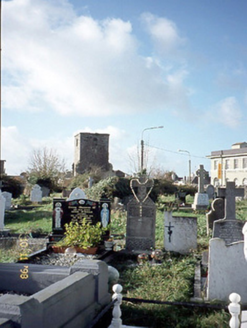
<point x="16" y="149"/>
<point x="164" y="33"/>
<point x="227" y="112"/>
<point x="54" y="59"/>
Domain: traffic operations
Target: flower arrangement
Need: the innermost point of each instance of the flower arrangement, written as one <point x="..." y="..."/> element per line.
<point x="82" y="234"/>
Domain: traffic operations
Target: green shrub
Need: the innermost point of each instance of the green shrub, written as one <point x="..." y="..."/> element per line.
<point x="12" y="185"/>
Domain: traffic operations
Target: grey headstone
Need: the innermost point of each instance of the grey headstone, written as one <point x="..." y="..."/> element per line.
<point x="141" y="215"/>
<point x="201" y="200"/>
<point x="36" y="194"/>
<point x="216" y="213"/>
<point x="210" y="191"/>
<point x="180" y="233"/>
<point x="227" y="270"/>
<point x="8" y="198"/>
<point x="229" y="229"/>
<point x="77" y="193"/>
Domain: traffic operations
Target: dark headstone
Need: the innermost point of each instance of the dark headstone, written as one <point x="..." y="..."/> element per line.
<point x="141" y="214"/>
<point x="216" y="213"/>
<point x="76" y="210"/>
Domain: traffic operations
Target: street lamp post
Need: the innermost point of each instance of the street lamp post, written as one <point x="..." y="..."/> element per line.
<point x="142" y="143"/>
<point x="186" y="151"/>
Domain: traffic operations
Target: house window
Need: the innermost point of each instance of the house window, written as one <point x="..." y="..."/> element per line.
<point x="244" y="163"/>
<point x="235" y="165"/>
<point x="215" y="165"/>
<point x="227" y="164"/>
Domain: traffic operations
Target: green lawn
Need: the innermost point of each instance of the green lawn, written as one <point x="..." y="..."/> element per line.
<point x="170" y="281"/>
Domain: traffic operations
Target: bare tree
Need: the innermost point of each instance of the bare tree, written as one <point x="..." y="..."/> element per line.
<point x="46" y="164"/>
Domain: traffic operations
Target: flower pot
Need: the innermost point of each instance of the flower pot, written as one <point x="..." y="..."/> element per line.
<point x="61" y="249"/>
<point x="108" y="245"/>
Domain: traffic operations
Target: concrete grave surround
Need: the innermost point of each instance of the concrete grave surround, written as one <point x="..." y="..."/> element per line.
<point x="227" y="270"/>
<point x="141" y="215"/>
<point x="36" y="194"/>
<point x="8" y="199"/>
<point x="61" y="296"/>
<point x="217" y="212"/>
<point x="2" y="210"/>
<point x="201" y="200"/>
<point x="77" y="193"/>
<point x="180" y="233"/>
<point x="229" y="229"/>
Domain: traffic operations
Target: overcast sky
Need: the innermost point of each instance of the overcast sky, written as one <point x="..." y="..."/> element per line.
<point x="120" y="67"/>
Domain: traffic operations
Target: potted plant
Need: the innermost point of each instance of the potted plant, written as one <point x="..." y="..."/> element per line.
<point x="83" y="236"/>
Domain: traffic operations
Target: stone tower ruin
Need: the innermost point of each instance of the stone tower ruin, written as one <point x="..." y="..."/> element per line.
<point x="91" y="149"/>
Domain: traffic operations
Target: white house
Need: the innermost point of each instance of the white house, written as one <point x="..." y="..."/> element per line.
<point x="229" y="165"/>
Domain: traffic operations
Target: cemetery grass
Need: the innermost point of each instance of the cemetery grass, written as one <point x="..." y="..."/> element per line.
<point x="24" y="221"/>
<point x="171" y="281"/>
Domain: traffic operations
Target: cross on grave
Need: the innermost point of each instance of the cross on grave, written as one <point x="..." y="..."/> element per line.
<point x="144" y="187"/>
<point x="201" y="173"/>
<point x="230" y="193"/>
<point x="169" y="231"/>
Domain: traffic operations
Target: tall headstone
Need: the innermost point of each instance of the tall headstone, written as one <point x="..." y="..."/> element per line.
<point x="229" y="228"/>
<point x="36" y="194"/>
<point x="180" y="233"/>
<point x="141" y="215"/>
<point x="8" y="198"/>
<point x="227" y="267"/>
<point x="217" y="212"/>
<point x="201" y="200"/>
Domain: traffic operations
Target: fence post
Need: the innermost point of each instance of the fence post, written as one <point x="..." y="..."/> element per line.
<point x="234" y="309"/>
<point x="116" y="312"/>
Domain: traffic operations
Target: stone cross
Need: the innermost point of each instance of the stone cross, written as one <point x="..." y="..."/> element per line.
<point x="169" y="231"/>
<point x="201" y="173"/>
<point x="230" y="193"/>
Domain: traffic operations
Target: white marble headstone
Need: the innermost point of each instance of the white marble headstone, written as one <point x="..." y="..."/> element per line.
<point x="36" y="194"/>
<point x="77" y="193"/>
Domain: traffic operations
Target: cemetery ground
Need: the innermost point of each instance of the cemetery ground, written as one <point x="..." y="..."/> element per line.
<point x="171" y="281"/>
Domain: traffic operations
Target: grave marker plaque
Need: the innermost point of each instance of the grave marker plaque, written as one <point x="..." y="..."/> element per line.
<point x="141" y="214"/>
